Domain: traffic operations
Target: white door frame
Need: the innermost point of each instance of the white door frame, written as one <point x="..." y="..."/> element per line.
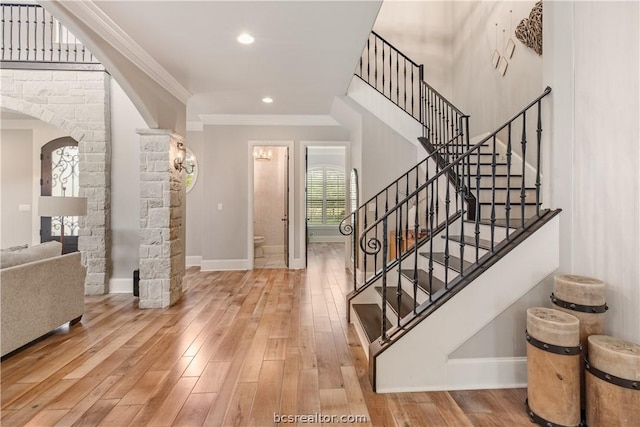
<point x="292" y="196"/>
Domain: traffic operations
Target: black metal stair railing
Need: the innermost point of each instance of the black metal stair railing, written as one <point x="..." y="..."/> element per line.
<point x="401" y="80"/>
<point x="378" y="205"/>
<point x="424" y="201"/>
<point x="446" y="136"/>
<point x="30" y="34"/>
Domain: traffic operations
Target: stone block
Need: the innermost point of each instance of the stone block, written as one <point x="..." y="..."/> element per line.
<point x="158" y="217"/>
<point x="33" y="75"/>
<point x="151" y="236"/>
<point x="150" y="190"/>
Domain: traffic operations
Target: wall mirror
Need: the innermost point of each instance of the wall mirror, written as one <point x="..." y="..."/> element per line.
<point x="191" y="169"/>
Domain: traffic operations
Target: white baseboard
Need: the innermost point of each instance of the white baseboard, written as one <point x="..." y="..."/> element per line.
<point x="224" y="265"/>
<point x="326" y="239"/>
<point x="121" y="286"/>
<point x="193" y="261"/>
<point x="477" y="374"/>
<point x="297" y="264"/>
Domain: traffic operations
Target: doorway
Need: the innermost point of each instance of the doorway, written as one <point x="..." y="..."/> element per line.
<point x="271" y="206"/>
<point x="59" y="176"/>
<point x="326" y="193"/>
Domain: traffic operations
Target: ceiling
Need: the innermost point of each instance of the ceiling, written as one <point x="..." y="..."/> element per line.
<point x="304" y="53"/>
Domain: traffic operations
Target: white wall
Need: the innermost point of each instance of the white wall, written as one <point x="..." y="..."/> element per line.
<point x="125" y="189"/>
<point x="16" y="153"/>
<point x="422" y="31"/>
<point x="40" y="133"/>
<point x="224" y="163"/>
<point x="478" y="89"/>
<point x="606" y="179"/>
<point x="194" y="202"/>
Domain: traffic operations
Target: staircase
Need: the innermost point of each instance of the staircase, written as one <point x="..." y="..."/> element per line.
<point x="444" y="249"/>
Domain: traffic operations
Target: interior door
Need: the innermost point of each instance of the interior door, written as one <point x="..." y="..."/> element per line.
<point x="285" y="218"/>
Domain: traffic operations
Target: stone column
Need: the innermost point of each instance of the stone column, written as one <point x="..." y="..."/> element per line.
<point x="162" y="194"/>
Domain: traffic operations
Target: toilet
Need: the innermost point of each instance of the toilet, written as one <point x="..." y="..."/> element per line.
<point x="258" y="251"/>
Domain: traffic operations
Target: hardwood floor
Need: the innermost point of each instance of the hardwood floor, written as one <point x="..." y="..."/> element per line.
<point x="237" y="349"/>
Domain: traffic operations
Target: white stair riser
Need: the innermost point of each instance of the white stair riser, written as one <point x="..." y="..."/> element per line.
<point x="407" y="286"/>
<point x="487" y="196"/>
<point x="500" y="212"/>
<point x="438" y="270"/>
<point x="514" y="182"/>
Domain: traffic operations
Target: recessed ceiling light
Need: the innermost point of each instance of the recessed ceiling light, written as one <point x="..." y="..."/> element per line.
<point x="245" y="38"/>
<point x="267" y="100"/>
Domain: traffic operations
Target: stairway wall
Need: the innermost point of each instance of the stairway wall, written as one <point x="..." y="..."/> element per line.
<point x="478" y="89"/>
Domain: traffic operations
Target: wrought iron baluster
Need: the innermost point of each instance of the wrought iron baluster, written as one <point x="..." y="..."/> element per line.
<point x="447" y="203"/>
<point x="3" y="9"/>
<point x="11" y="32"/>
<point x="508" y="201"/>
<point x="432" y="212"/>
<point x="51" y="39"/>
<point x="19" y="33"/>
<point x="523" y="193"/>
<point x="385" y="245"/>
<point x="398" y="78"/>
<point x="416" y="237"/>
<point x="28" y="48"/>
<point x="477" y="219"/>
<point x="399" y="258"/>
<point x="493" y="192"/>
<point x="539" y="137"/>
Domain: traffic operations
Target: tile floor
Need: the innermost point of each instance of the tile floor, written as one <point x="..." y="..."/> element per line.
<point x="273" y="260"/>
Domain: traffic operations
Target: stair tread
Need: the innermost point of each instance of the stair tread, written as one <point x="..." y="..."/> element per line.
<point x="406" y="302"/>
<point x="454" y="261"/>
<point x="500" y="222"/>
<point x="513" y="203"/>
<point x="471" y="240"/>
<point x="370" y="317"/>
<point x="423" y="280"/>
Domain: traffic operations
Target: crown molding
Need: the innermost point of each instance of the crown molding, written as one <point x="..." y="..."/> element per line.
<point x="96" y="19"/>
<point x="267" y="120"/>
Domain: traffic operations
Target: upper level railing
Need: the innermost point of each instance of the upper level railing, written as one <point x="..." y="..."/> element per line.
<point x="445" y="133"/>
<point x="30" y="34"/>
<point x="401" y="80"/>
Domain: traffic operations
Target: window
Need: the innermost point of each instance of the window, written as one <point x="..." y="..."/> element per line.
<point x="325" y="195"/>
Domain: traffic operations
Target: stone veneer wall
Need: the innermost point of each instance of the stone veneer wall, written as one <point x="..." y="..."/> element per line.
<point x="162" y="194"/>
<point x="77" y="102"/>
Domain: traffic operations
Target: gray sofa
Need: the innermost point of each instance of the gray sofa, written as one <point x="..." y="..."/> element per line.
<point x="38" y="296"/>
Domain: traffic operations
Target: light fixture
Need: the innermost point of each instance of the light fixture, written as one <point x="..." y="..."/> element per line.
<point x="50" y="206"/>
<point x="245" y="38"/>
<point x="267" y="100"/>
<point x="260" y="153"/>
<point x="181" y="154"/>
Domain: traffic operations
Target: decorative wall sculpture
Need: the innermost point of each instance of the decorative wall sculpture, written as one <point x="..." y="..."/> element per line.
<point x="529" y="31"/>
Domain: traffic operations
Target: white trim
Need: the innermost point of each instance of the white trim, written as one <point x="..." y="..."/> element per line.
<point x="268" y="120"/>
<point x="193" y="261"/>
<point x="478" y="374"/>
<point x="195" y="126"/>
<point x="297" y="264"/>
<point x="96" y="19"/>
<point x="225" y="265"/>
<point x="121" y="286"/>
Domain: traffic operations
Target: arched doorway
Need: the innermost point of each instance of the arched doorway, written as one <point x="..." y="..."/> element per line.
<point x="59" y="176"/>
